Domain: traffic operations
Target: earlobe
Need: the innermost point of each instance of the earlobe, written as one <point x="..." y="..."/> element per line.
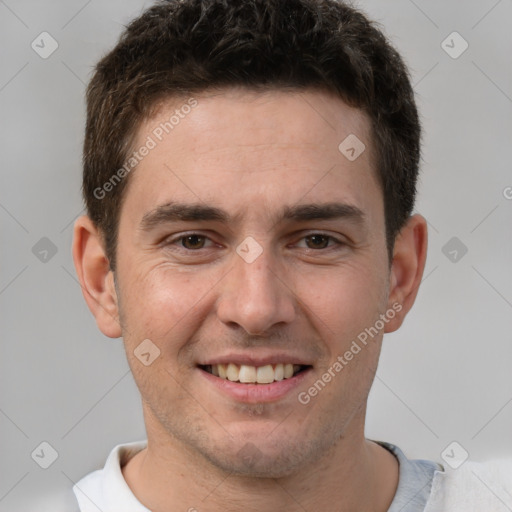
<point x="409" y="256"/>
<point x="95" y="277"/>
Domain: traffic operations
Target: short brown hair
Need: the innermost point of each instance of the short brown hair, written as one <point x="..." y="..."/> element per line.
<point x="183" y="47"/>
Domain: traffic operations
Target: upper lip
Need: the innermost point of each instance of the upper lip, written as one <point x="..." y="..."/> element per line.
<point x="256" y="360"/>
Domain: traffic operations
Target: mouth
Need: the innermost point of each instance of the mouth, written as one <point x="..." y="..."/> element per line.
<point x="246" y="374"/>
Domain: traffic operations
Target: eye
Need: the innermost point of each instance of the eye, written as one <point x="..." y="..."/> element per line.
<point x="188" y="242"/>
<point x="193" y="241"/>
<point x="319" y="241"/>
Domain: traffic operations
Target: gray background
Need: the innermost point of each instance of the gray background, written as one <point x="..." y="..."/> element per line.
<point x="444" y="377"/>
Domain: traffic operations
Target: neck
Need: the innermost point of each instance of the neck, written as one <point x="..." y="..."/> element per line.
<point x="356" y="474"/>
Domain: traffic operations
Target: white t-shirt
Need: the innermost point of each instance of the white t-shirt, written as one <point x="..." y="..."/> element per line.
<point x="423" y="486"/>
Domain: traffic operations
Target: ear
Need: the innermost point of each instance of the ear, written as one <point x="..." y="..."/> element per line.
<point x="95" y="276"/>
<point x="409" y="256"/>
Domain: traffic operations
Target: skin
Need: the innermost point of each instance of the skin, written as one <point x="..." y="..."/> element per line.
<point x="251" y="154"/>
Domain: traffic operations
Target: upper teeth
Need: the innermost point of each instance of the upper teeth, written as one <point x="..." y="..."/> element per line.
<point x="255" y="374"/>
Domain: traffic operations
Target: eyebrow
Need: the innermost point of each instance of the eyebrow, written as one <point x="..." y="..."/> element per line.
<point x="173" y="212"/>
<point x="323" y="211"/>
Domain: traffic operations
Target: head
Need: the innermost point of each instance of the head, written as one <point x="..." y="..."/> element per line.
<point x="180" y="49"/>
<point x="250" y="171"/>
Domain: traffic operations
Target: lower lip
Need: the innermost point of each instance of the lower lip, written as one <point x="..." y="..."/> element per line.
<point x="256" y="393"/>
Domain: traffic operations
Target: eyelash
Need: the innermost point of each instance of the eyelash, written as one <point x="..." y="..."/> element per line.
<point x="172" y="241"/>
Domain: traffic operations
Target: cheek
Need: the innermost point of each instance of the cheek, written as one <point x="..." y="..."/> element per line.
<point x="163" y="305"/>
<point x="342" y="301"/>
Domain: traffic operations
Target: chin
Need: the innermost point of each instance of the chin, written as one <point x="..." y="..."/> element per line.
<point x="264" y="458"/>
<point x="260" y="465"/>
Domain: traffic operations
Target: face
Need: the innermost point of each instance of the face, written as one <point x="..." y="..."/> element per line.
<point x="249" y="244"/>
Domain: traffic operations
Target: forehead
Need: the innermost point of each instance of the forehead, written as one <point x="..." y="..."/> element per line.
<point x="251" y="153"/>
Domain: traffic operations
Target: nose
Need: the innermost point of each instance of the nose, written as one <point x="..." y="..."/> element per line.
<point x="256" y="296"/>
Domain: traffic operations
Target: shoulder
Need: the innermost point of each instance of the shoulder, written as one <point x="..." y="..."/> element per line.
<point x="414" y="481"/>
<point x="106" y="489"/>
<point x="475" y="486"/>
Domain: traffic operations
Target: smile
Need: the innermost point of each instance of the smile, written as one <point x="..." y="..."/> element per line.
<point x="247" y="374"/>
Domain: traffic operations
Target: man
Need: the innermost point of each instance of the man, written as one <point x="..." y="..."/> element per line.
<point x="249" y="174"/>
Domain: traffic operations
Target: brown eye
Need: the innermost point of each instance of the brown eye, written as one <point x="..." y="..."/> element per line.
<point x="317" y="241"/>
<point x="193" y="242"/>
